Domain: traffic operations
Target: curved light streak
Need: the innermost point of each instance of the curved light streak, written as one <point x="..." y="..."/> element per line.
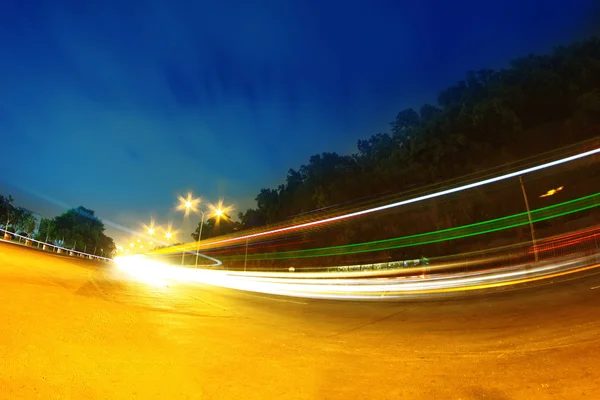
<point x="159" y="274"/>
<point x="413" y="200"/>
<point x="217" y="262"/>
<point x="458" y="232"/>
<point x="478" y="228"/>
<point x="438" y="264"/>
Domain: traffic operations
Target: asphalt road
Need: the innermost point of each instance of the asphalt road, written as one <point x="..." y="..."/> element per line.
<point x="76" y="329"/>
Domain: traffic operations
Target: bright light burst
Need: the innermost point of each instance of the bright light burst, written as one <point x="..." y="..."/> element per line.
<point x="219" y="211"/>
<point x="151" y="229"/>
<point x="170" y="233"/>
<point x="188" y="204"/>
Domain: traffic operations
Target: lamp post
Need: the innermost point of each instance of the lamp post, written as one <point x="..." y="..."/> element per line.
<point x="246" y="255"/>
<point x="199" y="237"/>
<point x="190" y="204"/>
<point x="531" y="229"/>
<point x="187" y="204"/>
<point x="217" y="213"/>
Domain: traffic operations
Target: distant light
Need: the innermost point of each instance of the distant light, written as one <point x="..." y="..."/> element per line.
<point x="552" y="191"/>
<point x="168" y="235"/>
<point x="151" y="231"/>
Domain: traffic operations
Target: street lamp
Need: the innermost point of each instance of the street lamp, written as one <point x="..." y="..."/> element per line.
<point x="217" y="212"/>
<point x="191" y="204"/>
<point x="531" y="228"/>
<point x="187" y="204"/>
<point x="170" y="233"/>
<point x="152" y="228"/>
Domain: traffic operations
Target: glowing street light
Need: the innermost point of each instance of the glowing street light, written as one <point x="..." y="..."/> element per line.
<point x="151" y="229"/>
<point x="215" y="211"/>
<point x="168" y="235"/>
<point x="187" y="204"/>
<point x="190" y="203"/>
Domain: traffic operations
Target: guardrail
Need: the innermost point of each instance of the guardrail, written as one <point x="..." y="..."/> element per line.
<point x="27" y="241"/>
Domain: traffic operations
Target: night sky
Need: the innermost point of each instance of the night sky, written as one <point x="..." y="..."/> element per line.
<point x="120" y="106"/>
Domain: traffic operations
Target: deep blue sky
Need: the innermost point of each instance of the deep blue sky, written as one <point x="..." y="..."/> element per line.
<point x="121" y="105"/>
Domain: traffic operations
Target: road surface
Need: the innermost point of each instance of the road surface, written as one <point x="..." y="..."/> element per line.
<point x="77" y="329"/>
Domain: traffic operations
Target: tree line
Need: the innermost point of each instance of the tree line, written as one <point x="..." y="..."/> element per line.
<point x="77" y="228"/>
<point x="490" y="118"/>
<point x="16" y="219"/>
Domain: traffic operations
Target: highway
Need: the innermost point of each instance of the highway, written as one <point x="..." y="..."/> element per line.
<point x="77" y="329"/>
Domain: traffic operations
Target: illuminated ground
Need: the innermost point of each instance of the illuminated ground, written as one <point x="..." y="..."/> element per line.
<point x="76" y="329"/>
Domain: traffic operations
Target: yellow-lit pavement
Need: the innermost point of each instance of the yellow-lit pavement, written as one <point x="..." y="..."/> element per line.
<point x="76" y="329"/>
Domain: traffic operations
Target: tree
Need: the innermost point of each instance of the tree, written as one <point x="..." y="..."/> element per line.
<point x="7" y="211"/>
<point x="82" y="229"/>
<point x="489" y="118"/>
<point x="23" y="220"/>
<point x="404" y="125"/>
<point x="47" y="231"/>
<point x="216" y="226"/>
<point x="252" y="218"/>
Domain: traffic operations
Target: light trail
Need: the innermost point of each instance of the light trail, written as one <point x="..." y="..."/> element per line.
<point x="469" y="230"/>
<point x="412" y="200"/>
<point x="158" y="274"/>
<point x="459" y="232"/>
<point x="504" y="254"/>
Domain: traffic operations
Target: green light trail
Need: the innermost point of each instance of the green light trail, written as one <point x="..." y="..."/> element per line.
<point x="479" y="228"/>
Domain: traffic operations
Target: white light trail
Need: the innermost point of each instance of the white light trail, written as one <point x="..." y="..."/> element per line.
<point x="415" y="199"/>
<point x="157" y="274"/>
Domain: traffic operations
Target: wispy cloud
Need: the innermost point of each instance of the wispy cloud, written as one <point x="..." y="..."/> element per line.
<point x="120" y="107"/>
